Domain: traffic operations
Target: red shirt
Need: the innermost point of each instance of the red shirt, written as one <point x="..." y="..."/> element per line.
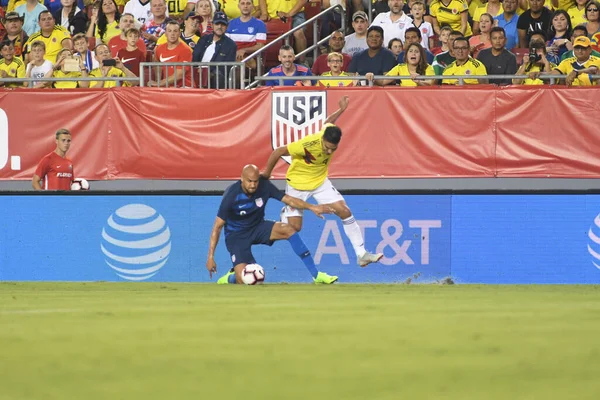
<point x="320" y="64"/>
<point x="181" y="53"/>
<point x="116" y="43"/>
<point x="132" y="59"/>
<point x="56" y="172"/>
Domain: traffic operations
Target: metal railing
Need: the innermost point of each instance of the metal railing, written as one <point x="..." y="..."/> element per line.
<point x="217" y="75"/>
<point x="460" y="78"/>
<point x="80" y="79"/>
<point x="231" y="76"/>
<point x="258" y="54"/>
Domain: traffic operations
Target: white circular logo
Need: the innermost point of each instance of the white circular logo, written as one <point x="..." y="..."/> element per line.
<point x="136" y="242"/>
<point x="594" y="242"/>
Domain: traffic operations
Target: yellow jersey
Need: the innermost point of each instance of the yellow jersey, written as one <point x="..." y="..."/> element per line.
<point x="66" y="84"/>
<point x="113" y="72"/>
<point x="176" y="8"/>
<point x="402" y="70"/>
<point x="335" y="82"/>
<point x="111" y="31"/>
<point x="483" y="10"/>
<point x="450" y="14"/>
<point x="12" y="4"/>
<point x="310" y="164"/>
<point x="470" y="67"/>
<point x="535" y="68"/>
<point x="53" y="42"/>
<point x="570" y="64"/>
<point x="14" y="69"/>
<point x="577" y="16"/>
<point x="280" y="5"/>
<point x="565" y="5"/>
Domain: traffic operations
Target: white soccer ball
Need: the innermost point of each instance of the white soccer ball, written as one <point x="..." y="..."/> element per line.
<point x="80" y="184"/>
<point x="253" y="274"/>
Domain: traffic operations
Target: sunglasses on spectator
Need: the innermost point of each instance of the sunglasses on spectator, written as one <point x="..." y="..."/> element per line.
<point x="592" y="10"/>
<point x="461" y="48"/>
<point x="335" y="61"/>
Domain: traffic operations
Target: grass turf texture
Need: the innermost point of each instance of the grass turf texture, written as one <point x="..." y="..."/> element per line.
<point x="179" y="341"/>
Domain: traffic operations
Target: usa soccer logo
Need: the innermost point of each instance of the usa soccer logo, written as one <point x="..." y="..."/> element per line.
<point x="295" y="115"/>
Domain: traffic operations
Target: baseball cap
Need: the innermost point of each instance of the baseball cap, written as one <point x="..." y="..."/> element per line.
<point x="12" y="16"/>
<point x="195" y="16"/>
<point x="582" y="41"/>
<point x="220" y="17"/>
<point x="360" y="14"/>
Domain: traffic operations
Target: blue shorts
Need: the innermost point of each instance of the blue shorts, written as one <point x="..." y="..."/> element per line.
<point x="298" y="19"/>
<point x="239" y="244"/>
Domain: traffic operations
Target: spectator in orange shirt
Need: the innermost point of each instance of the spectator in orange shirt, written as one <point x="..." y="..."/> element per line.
<point x="174" y="50"/>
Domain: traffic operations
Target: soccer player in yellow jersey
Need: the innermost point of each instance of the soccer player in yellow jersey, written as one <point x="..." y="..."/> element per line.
<point x="307" y="177"/>
<point x="10" y="66"/>
<point x="579" y="68"/>
<point x="464" y="65"/>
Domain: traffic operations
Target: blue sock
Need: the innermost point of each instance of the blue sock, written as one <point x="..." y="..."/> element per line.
<point x="231" y="279"/>
<point x="302" y="251"/>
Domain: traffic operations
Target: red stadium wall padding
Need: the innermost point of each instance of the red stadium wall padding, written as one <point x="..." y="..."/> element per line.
<point x="142" y="133"/>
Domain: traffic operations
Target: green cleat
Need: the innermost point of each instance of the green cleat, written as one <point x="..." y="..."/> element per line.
<point x="323" y="278"/>
<point x="224" y="280"/>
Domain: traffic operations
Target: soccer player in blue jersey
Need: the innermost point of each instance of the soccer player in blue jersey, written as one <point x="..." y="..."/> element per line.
<point x="242" y="213"/>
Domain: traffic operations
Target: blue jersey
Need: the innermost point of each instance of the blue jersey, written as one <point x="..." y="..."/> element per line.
<point x="301" y="70"/>
<point x="242" y="212"/>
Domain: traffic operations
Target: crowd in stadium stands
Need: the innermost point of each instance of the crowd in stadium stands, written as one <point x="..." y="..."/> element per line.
<point x="110" y="39"/>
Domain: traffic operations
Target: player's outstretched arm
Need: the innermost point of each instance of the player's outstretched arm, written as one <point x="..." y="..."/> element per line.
<point x="319" y="209"/>
<point x="211" y="265"/>
<point x="344" y="101"/>
<point x="272" y="161"/>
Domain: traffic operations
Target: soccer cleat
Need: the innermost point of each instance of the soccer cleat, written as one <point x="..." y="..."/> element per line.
<point x="369" y="258"/>
<point x="224" y="280"/>
<point x="322" y="277"/>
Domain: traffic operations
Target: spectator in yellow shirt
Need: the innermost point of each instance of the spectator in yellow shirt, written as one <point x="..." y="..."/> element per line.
<point x="334" y="62"/>
<point x="464" y="65"/>
<point x="579" y="68"/>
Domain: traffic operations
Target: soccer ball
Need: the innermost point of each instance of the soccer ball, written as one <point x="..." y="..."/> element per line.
<point x="80" y="184"/>
<point x="253" y="274"/>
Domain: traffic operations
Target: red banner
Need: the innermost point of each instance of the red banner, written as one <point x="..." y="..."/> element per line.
<point x="147" y="133"/>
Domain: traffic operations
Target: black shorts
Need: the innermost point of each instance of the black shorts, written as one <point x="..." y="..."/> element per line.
<point x="239" y="244"/>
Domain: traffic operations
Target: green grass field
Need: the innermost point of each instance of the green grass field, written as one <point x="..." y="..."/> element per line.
<point x="182" y="341"/>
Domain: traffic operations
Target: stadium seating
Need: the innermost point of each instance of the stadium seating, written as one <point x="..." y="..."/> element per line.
<point x="275" y="28"/>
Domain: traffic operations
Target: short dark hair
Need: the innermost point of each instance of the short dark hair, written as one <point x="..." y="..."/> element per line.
<point x="286" y="47"/>
<point x="538" y="32"/>
<point x="5" y="43"/>
<point x="44" y="12"/>
<point x="414" y="29"/>
<point x="375" y="28"/>
<point x="332" y="134"/>
<point x="498" y="29"/>
<point x="62" y="131"/>
<point x="580" y="28"/>
<point x="456" y="33"/>
<point x="461" y="39"/>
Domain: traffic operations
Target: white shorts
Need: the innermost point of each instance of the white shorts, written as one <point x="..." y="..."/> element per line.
<point x="324" y="194"/>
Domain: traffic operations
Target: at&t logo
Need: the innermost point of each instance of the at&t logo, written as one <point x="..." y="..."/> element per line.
<point x="594" y="242"/>
<point x="136" y="242"/>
